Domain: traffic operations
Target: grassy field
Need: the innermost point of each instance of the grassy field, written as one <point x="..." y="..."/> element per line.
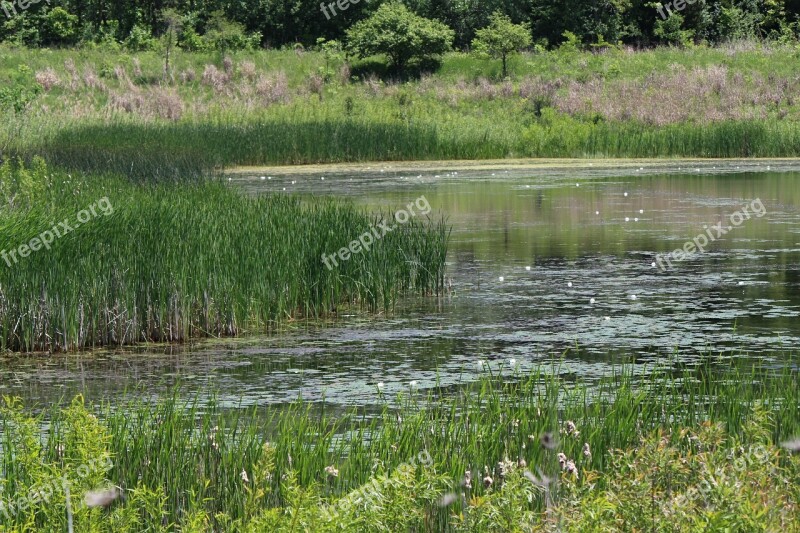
<point x="168" y="261"/>
<point x="98" y="110"/>
<point x="666" y="450"/>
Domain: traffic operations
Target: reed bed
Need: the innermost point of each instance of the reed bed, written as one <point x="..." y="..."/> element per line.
<point x="113" y="112"/>
<point x="201" y="467"/>
<point x="174" y="260"/>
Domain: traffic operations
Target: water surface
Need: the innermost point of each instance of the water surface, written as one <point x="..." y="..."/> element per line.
<point x="545" y="264"/>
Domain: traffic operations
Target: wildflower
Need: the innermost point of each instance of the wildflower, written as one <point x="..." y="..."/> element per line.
<point x="562" y="460"/>
<point x="380" y="385"/>
<point x="521" y="463"/>
<point x="413" y="383"/>
<point x="481" y="365"/>
<point x="244" y="476"/>
<point x="487" y="480"/>
<point x="587" y="452"/>
<point x="504" y="467"/>
<point x="468" y="479"/>
<point x="512" y="362"/>
<point x="571" y="429"/>
<point x="571" y="469"/>
<point x="331" y="471"/>
<point x="101" y="498"/>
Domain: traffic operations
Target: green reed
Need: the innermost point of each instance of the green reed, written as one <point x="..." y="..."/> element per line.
<point x="193" y="454"/>
<point x="175" y="261"/>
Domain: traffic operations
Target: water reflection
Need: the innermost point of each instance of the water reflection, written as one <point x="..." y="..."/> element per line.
<point x="590" y="249"/>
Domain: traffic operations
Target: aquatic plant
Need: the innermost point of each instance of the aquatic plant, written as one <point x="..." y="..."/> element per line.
<point x="169" y="262"/>
<point x="529" y="448"/>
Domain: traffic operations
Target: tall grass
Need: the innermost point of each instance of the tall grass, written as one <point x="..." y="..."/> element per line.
<point x="236" y="467"/>
<point x="176" y="260"/>
<point x="117" y="113"/>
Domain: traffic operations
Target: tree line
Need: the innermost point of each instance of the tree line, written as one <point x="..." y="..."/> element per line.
<point x="231" y="24"/>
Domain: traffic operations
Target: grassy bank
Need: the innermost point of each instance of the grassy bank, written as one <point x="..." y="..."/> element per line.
<point x="664" y="450"/>
<point x="167" y="261"/>
<point x="92" y="110"/>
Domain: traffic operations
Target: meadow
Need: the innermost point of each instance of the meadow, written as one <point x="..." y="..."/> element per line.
<point x="663" y="448"/>
<point x="181" y="254"/>
<point x="106" y="110"/>
<point x="172" y="260"/>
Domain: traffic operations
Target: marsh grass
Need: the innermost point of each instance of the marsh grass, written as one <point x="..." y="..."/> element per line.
<point x="176" y="260"/>
<point x="115" y="112"/>
<point x="261" y="469"/>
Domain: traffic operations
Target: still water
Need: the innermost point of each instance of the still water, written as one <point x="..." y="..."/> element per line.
<point x="546" y="264"/>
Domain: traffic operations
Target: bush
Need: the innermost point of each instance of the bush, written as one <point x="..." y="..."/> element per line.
<point x="60" y="27"/>
<point x="669" y="31"/>
<point x="226" y="36"/>
<point x="140" y="39"/>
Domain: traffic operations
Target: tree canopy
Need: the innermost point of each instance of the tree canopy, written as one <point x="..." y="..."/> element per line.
<point x="502" y="38"/>
<point x="394" y="30"/>
<point x="228" y="24"/>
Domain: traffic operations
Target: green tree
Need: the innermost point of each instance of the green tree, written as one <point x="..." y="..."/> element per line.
<point x="172" y="28"/>
<point x="671" y="31"/>
<point x="60" y="27"/>
<point x="401" y="35"/>
<point x="225" y="35"/>
<point x="502" y="38"/>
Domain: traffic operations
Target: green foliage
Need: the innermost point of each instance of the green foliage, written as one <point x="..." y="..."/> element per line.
<point x="333" y="52"/>
<point x="227" y="36"/>
<point x="670" y="31"/>
<point x="571" y="44"/>
<point x="140" y="39"/>
<point x="94" y="22"/>
<point x="18" y="98"/>
<point x="229" y="263"/>
<point x="502" y="38"/>
<point x="60" y="27"/>
<point x="401" y="35"/>
<point x="649" y="451"/>
<point x="736" y="23"/>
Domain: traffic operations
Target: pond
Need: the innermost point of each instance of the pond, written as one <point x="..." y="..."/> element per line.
<point x="548" y="264"/>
